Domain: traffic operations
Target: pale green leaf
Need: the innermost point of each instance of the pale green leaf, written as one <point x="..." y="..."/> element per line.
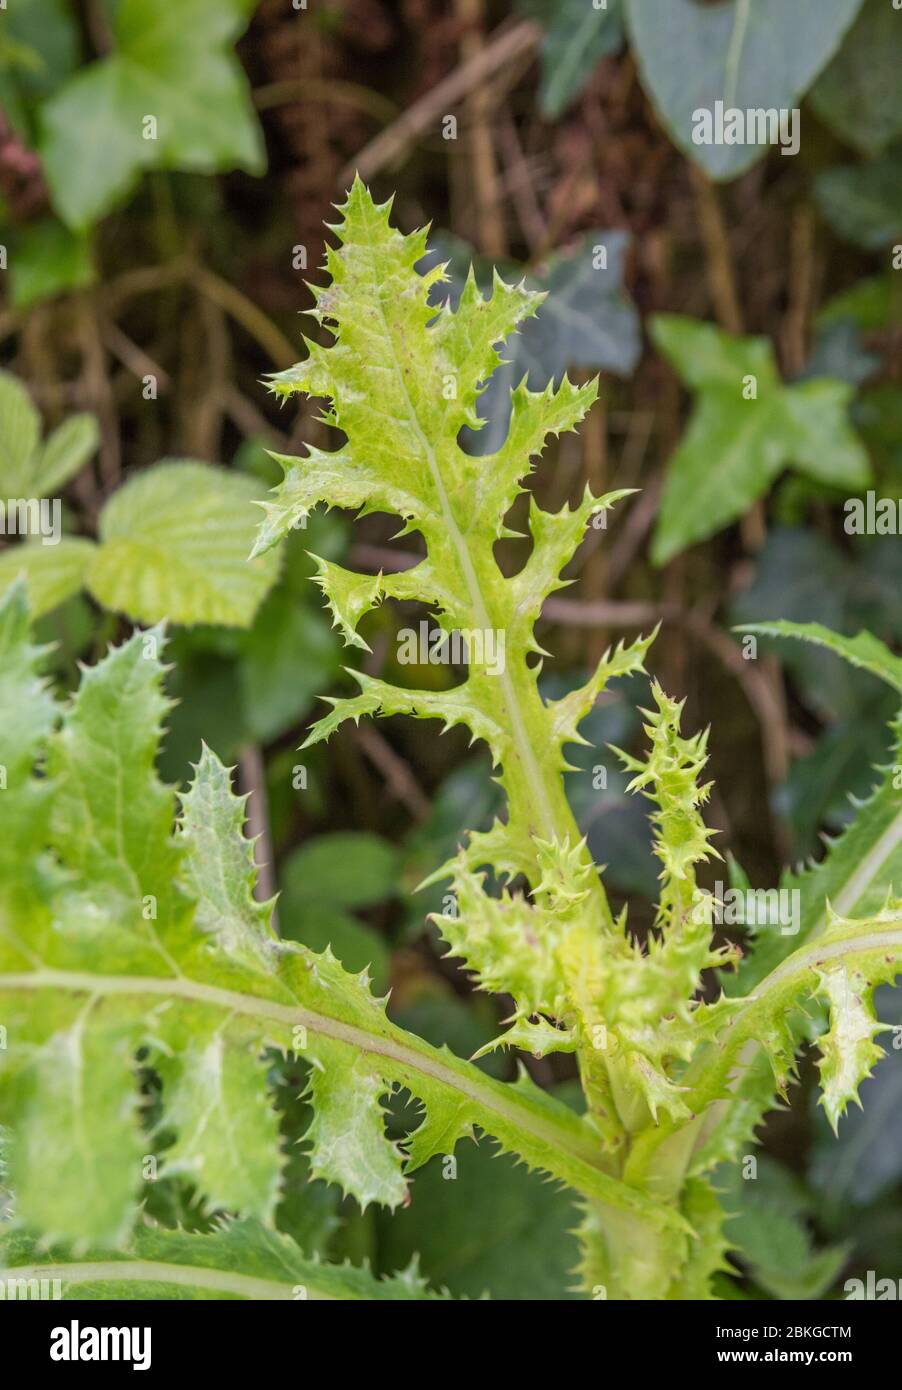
<point x="173" y="544"/>
<point x="20" y="432"/>
<point x="28" y="468"/>
<point x="46" y="258"/>
<point x="52" y="573"/>
<point x="115" y="953"/>
<point x="64" y="452"/>
<point x="848" y="1051"/>
<point x="346" y="1140"/>
<point x="218" y="869"/>
<point x="75" y="1155"/>
<point x="27" y="715"/>
<point x="227" y="1132"/>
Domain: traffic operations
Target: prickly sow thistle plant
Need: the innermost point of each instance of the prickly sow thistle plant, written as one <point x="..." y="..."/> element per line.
<point x="120" y="940"/>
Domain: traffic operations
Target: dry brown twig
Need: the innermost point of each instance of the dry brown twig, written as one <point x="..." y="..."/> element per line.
<point x="506" y="44"/>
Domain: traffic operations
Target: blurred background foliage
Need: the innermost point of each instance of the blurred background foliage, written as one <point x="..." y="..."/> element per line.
<point x="152" y="273"/>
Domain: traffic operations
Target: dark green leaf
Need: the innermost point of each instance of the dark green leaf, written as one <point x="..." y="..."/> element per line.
<point x="858" y="94"/>
<point x="745" y="53"/>
<point x="863" y="202"/>
<point x="347" y="869"/>
<point x="577" y="34"/>
<point x="491" y="1228"/>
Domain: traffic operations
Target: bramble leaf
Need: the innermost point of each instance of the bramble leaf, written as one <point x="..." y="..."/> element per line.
<point x="52" y="573"/>
<point x="28" y="467"/>
<point x="173" y="545"/>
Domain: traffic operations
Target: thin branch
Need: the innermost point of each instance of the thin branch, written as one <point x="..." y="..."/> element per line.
<point x="721" y="277"/>
<point x="394" y="769"/>
<point x="244" y="311"/>
<point x="755" y="682"/>
<point x="504" y="46"/>
<point x="492" y="238"/>
<point x="133" y="357"/>
<point x="326" y="90"/>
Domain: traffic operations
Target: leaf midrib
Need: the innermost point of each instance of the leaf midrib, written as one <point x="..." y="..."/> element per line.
<point x="157" y="1272"/>
<point x="572" y="1157"/>
<point x="523" y="747"/>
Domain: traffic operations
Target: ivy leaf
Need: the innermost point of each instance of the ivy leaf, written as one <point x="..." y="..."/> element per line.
<point x="585" y="321"/>
<point x="862" y="202"/>
<point x="857" y="96"/>
<point x="871" y="303"/>
<point x="745" y="54"/>
<point x="577" y="35"/>
<point x="47" y="258"/>
<point x="287" y="657"/>
<point x="40" y="50"/>
<point x="746" y="428"/>
<point x="173" y="544"/>
<point x="174" y="66"/>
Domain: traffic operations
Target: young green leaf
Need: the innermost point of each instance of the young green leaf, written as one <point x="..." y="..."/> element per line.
<point x="173" y="545"/>
<point x="747" y="426"/>
<point x="52" y="573"/>
<point x="29" y="468"/>
<point x="171" y="67"/>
